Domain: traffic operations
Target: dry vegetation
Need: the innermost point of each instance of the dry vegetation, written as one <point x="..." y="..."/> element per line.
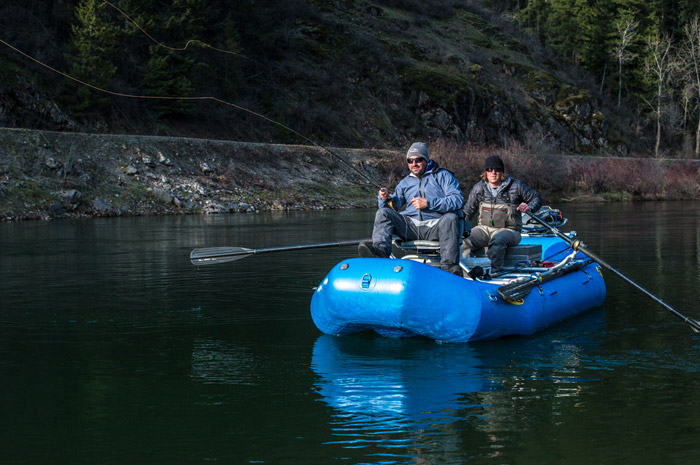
<point x="581" y="178"/>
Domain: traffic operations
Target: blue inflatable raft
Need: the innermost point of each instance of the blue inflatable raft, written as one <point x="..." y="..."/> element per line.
<point x="409" y="297"/>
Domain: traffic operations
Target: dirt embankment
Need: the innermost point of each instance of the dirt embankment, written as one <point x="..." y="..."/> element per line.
<point x="45" y="175"/>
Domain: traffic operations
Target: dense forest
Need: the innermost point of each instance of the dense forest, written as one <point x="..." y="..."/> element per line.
<point x="646" y="52"/>
<point x="618" y="77"/>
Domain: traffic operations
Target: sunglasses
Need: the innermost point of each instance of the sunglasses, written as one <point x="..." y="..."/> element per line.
<point x="493" y="170"/>
<point x="415" y="161"/>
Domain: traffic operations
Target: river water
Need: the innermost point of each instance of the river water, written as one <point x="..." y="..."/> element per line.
<point x="114" y="349"/>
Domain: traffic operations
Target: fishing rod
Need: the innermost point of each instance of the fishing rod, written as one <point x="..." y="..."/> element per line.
<point x="577" y="245"/>
<point x="204" y="44"/>
<point x="210" y="98"/>
<point x="174" y="49"/>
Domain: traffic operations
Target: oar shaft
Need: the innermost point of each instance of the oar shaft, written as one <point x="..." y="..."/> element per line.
<point x="694" y="324"/>
<point x="306" y="246"/>
<point x="215" y="255"/>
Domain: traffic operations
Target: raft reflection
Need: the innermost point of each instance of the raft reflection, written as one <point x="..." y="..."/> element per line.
<point x="379" y="386"/>
<point x="404" y="398"/>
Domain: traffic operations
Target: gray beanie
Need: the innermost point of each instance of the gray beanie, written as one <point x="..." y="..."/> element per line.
<point x="418" y="149"/>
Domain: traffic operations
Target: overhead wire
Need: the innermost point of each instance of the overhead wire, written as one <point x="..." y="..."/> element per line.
<point x="191" y="98"/>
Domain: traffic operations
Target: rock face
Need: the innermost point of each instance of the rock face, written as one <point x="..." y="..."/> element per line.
<point x="25" y="100"/>
<point x="543" y="110"/>
<point x="359" y="75"/>
<point x="46" y="175"/>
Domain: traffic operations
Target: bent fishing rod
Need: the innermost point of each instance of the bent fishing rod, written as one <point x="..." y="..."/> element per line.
<point x="210" y="98"/>
<point x="579" y="246"/>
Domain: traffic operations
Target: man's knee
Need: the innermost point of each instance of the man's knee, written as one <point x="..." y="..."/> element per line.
<point x="505" y="239"/>
<point x="449" y="218"/>
<point x="448" y="224"/>
<point x="478" y="237"/>
<point x="383" y="213"/>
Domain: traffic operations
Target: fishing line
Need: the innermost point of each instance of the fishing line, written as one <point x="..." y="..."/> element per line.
<point x="193" y="41"/>
<point x="195" y="98"/>
<point x="176" y="49"/>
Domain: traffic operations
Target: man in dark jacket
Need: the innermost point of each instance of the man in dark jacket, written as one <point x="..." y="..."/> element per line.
<point x="499" y="199"/>
<point x="432" y="199"/>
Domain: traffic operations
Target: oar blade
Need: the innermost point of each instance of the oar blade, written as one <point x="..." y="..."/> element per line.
<point x="516" y="291"/>
<point x="216" y="255"/>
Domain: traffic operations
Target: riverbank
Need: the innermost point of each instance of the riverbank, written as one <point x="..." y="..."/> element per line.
<point x="49" y="175"/>
<point x="46" y="175"/>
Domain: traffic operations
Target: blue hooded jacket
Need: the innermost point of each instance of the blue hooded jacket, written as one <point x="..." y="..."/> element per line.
<point x="437" y="185"/>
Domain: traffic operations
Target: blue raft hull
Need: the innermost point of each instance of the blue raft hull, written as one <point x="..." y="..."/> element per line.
<point x="404" y="298"/>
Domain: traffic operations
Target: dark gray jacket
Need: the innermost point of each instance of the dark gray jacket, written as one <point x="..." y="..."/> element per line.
<point x="500" y="210"/>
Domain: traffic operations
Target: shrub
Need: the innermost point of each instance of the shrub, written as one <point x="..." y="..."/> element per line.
<point x="544" y="172"/>
<point x="556" y="176"/>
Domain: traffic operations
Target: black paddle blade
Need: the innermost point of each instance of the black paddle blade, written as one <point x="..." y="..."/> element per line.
<point x="215" y="255"/>
<point x="518" y="290"/>
<point x="521" y="288"/>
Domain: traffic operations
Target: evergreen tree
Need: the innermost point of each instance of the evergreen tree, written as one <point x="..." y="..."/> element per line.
<point x="593" y="29"/>
<point x="93" y="43"/>
<point x="164" y="77"/>
<point x="170" y="70"/>
<point x="534" y="17"/>
<point x="564" y="28"/>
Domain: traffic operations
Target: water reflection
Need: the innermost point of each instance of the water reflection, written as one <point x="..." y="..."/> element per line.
<point x="393" y="394"/>
<point x="387" y="381"/>
<point x="396" y="397"/>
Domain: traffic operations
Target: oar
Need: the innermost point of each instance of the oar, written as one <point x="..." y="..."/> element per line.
<point x="214" y="255"/>
<point x="577" y="245"/>
<point x="520" y="289"/>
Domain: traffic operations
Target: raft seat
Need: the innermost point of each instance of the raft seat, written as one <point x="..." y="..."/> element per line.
<point x="427" y="252"/>
<point x="517" y="255"/>
<point x="420" y="246"/>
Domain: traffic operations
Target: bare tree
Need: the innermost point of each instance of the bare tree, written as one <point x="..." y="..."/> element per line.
<point x="691" y="58"/>
<point x="626" y="30"/>
<point x="687" y="94"/>
<point x="659" y="64"/>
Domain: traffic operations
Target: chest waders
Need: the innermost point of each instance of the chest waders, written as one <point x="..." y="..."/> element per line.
<point x="499" y="213"/>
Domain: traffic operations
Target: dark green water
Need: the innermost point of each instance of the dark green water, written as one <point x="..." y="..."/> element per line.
<point x="114" y="349"/>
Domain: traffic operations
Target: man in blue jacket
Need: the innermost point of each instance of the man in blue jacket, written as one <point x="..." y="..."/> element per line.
<point x="431" y="199"/>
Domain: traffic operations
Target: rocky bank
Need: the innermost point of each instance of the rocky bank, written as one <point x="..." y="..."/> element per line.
<point x="49" y="175"/>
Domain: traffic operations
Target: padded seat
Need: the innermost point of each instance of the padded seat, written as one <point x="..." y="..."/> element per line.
<point x="427" y="252"/>
<point x="419" y="246"/>
<point x="517" y="254"/>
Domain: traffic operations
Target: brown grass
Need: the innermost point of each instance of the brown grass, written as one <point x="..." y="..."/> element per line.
<point x="558" y="177"/>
